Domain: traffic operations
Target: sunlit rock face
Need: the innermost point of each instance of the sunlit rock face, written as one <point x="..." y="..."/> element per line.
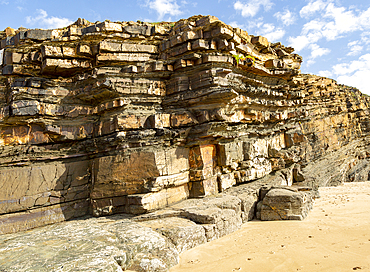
<point x="124" y="117"/>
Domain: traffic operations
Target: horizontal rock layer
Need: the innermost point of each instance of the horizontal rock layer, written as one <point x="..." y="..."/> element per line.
<point x="149" y="242"/>
<point x="132" y="117"/>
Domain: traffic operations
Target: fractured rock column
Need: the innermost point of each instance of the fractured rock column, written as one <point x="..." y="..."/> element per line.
<point x="202" y="162"/>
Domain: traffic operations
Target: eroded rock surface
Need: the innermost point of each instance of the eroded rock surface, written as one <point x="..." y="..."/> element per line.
<point x="113" y="244"/>
<point x="196" y="116"/>
<point x="284" y="203"/>
<point x="149" y="242"/>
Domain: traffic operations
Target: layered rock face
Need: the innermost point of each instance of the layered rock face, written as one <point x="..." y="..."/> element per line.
<point x="131" y="117"/>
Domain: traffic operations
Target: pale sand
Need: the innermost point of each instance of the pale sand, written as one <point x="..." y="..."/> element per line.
<point x="334" y="237"/>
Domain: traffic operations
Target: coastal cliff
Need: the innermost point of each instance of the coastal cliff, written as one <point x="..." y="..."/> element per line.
<point x="130" y="117"/>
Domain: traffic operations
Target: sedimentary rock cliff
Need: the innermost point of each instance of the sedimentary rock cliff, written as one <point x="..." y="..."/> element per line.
<point x="130" y="117"/>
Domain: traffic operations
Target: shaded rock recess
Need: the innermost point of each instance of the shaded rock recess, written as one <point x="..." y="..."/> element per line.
<point x="189" y="129"/>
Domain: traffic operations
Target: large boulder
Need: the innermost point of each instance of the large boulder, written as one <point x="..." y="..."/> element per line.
<point x="284" y="203"/>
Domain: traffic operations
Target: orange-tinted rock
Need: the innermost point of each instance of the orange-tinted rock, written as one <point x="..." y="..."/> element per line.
<point x="130" y="117"/>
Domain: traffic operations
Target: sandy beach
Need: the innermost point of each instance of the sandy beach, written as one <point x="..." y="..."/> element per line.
<point x="334" y="237"/>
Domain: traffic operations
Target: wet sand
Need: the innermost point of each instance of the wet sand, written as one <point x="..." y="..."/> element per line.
<point x="334" y="237"/>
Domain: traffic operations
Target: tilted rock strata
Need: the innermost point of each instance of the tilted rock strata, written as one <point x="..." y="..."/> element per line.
<point x="131" y="117"/>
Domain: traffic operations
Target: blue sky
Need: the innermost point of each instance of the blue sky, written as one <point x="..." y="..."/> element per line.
<point x="332" y="36"/>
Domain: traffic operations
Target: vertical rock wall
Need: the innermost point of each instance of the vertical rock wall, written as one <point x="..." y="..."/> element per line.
<point x="130" y="117"/>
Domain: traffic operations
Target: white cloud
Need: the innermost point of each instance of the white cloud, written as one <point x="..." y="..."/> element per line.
<point x="299" y="42"/>
<point x="163" y="7"/>
<point x="259" y="27"/>
<point x="272" y="33"/>
<point x="355" y="48"/>
<point x="342" y="21"/>
<point x="355" y="73"/>
<point x="43" y="20"/>
<point x="314" y="26"/>
<point x="251" y="8"/>
<point x="364" y="19"/>
<point x="363" y="63"/>
<point x="3" y="2"/>
<point x="286" y="17"/>
<point x="365" y="37"/>
<point x="254" y="24"/>
<point x="312" y="7"/>
<point x="358" y="79"/>
<point x="325" y="73"/>
<point x="236" y="24"/>
<point x="331" y="23"/>
<point x="317" y="51"/>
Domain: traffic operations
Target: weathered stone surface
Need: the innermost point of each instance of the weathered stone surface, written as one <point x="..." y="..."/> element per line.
<point x="275" y="63"/>
<point x="142" y="203"/>
<point x="230" y="153"/>
<point x="38" y="217"/>
<point x="183" y="233"/>
<point x="124" y="57"/>
<point x="109" y="27"/>
<point x="284" y="204"/>
<point x="219" y="215"/>
<point x="260" y="41"/>
<point x="23" y="188"/>
<point x="60" y="66"/>
<point x="125" y="117"/>
<point x="93" y="244"/>
<point x="39" y="34"/>
<point x="226" y="181"/>
<point x="114" y="46"/>
<point x="136" y="29"/>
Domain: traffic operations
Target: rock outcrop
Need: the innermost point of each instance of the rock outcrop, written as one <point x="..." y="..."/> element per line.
<point x="284" y="203"/>
<point x="148" y="242"/>
<point x="124" y="117"/>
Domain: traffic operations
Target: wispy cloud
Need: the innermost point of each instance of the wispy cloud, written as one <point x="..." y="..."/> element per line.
<point x="3" y="2"/>
<point x="355" y="48"/>
<point x="365" y="37"/>
<point x="316" y="52"/>
<point x="331" y="23"/>
<point x="354" y="73"/>
<point x="362" y="63"/>
<point x="251" y="8"/>
<point x="236" y="24"/>
<point x="165" y="7"/>
<point x="271" y="32"/>
<point x="300" y="42"/>
<point x="259" y="27"/>
<point x="287" y="17"/>
<point x="325" y="73"/>
<point x="312" y="7"/>
<point x="44" y="21"/>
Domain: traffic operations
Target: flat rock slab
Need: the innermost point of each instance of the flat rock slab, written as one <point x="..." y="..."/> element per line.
<point x="104" y="244"/>
<point x="149" y="242"/>
<point x="183" y="233"/>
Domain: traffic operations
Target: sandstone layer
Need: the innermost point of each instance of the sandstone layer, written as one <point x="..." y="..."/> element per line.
<point x="125" y="117"/>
